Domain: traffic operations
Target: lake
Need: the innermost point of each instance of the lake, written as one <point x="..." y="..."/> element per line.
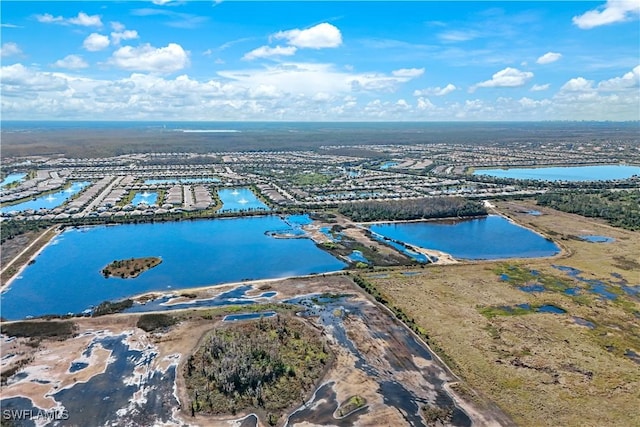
<point x="240" y="199"/>
<point x="50" y="201"/>
<point x="66" y="276"/>
<point x="492" y="237"/>
<point x="11" y="178"/>
<point x="565" y="173"/>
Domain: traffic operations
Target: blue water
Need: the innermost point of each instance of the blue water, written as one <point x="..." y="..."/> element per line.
<point x="493" y="237"/>
<point x="595" y="286"/>
<point x="236" y="296"/>
<point x="49" y="201"/>
<point x="248" y="316"/>
<point x="387" y="165"/>
<point x="146" y="197"/>
<point x="550" y="309"/>
<point x="356" y="256"/>
<point x="11" y="178"/>
<point x="400" y="248"/>
<point x="240" y="199"/>
<point x="66" y="277"/>
<point x="597" y="239"/>
<point x="298" y="220"/>
<point x="532" y="288"/>
<point x="565" y="173"/>
<point x="181" y="181"/>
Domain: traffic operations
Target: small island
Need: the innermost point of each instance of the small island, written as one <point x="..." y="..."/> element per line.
<point x="130" y="268"/>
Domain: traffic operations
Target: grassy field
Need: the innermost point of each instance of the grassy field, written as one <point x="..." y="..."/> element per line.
<point x="572" y="368"/>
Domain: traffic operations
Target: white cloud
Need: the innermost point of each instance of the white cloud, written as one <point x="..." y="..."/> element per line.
<point x="509" y="77"/>
<point x="630" y="80"/>
<point x="540" y="88"/>
<point x="71" y="62"/>
<point x="17" y="79"/>
<point x="82" y="19"/>
<point x="435" y="91"/>
<point x="10" y="49"/>
<point x="147" y="58"/>
<point x="86" y="20"/>
<point x="548" y="58"/>
<point x="118" y="36"/>
<point x="425" y="104"/>
<point x="117" y="26"/>
<point x="458" y="35"/>
<point x="579" y="84"/>
<point x="317" y="37"/>
<point x="292" y="91"/>
<point x="268" y="52"/>
<point x="95" y="42"/>
<point x="612" y="12"/>
<point x="408" y="72"/>
<point x="47" y="18"/>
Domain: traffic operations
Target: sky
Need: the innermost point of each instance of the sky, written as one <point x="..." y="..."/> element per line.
<point x="320" y="61"/>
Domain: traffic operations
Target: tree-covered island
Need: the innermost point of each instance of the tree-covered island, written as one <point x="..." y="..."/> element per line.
<point x="130" y="268"/>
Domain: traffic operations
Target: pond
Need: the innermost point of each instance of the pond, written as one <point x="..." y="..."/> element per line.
<point x="146" y="197"/>
<point x="597" y="239"/>
<point x="240" y="199"/>
<point x="565" y="173"/>
<point x="194" y="253"/>
<point x="50" y="201"/>
<point x="11" y="178"/>
<point x="492" y="237"/>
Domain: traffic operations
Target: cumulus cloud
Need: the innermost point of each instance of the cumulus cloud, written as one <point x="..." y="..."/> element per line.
<point x="612" y="12"/>
<point x="118" y="36"/>
<point x="319" y="36"/>
<point x="147" y="58"/>
<point x="435" y="91"/>
<point x="630" y="80"/>
<point x="268" y="52"/>
<point x="17" y="79"/>
<point x="548" y="58"/>
<point x="71" y="62"/>
<point x="82" y="19"/>
<point x="425" y="104"/>
<point x="540" y="88"/>
<point x="408" y="72"/>
<point x="509" y="77"/>
<point x="9" y="49"/>
<point x="95" y="42"/>
<point x="579" y="84"/>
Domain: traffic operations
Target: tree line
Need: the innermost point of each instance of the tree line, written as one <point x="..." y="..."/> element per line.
<point x="425" y="208"/>
<point x="618" y="208"/>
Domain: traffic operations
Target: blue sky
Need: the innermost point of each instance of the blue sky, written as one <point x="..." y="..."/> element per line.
<point x="320" y="61"/>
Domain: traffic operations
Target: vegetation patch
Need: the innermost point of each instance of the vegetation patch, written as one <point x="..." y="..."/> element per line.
<point x="435" y="415"/>
<point x="310" y="179"/>
<point x="109" y="307"/>
<point x="39" y="329"/>
<point x="154" y="321"/>
<point x="267" y="364"/>
<point x="350" y="405"/>
<point x="619" y="208"/>
<point x="130" y="268"/>
<point x="397" y="210"/>
<point x="517" y="276"/>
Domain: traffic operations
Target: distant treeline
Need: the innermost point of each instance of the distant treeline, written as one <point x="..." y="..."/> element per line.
<point x="398" y="210"/>
<point x="619" y="208"/>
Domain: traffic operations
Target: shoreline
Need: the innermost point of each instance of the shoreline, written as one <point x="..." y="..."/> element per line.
<point x="56" y="232"/>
